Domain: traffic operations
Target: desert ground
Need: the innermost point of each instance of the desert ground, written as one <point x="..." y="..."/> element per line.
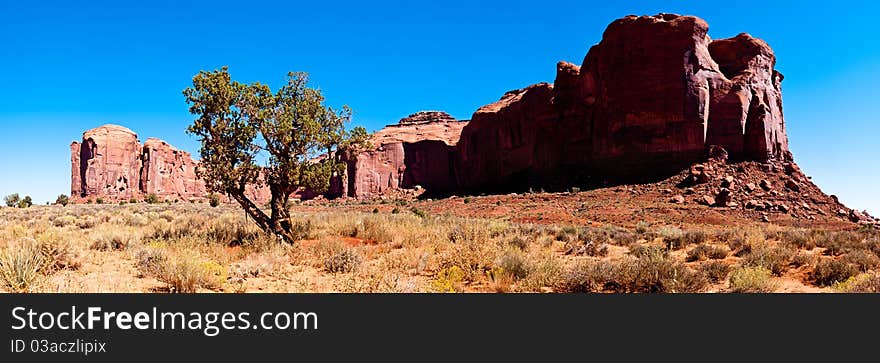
<point x="616" y="239"/>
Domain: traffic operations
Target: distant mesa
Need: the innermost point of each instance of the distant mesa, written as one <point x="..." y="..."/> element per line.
<point x="111" y="163"/>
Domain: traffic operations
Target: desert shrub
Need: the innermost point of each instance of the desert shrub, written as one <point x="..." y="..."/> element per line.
<point x="302" y="230"/>
<point x="183" y="271"/>
<point x="642" y="227"/>
<point x="642" y="250"/>
<point x="64" y="221"/>
<point x="715" y="271"/>
<point x="86" y="222"/>
<point x="151" y="199"/>
<point x="839" y="243"/>
<point x="863" y="259"/>
<point x="673" y="237"/>
<point x="374" y="229"/>
<point x="225" y="232"/>
<point x="519" y="242"/>
<point x="471" y="249"/>
<point x="58" y="252"/>
<point x="704" y="251"/>
<point x="12" y="200"/>
<point x="214" y="200"/>
<point x="751" y="280"/>
<point x="26" y="202"/>
<point x="829" y="271"/>
<point x="741" y="242"/>
<point x="132" y="201"/>
<point x="797" y="238"/>
<point x="136" y="220"/>
<point x="587" y="276"/>
<point x="419" y="212"/>
<point x="544" y="271"/>
<point x="343" y="262"/>
<point x="655" y="272"/>
<point x="693" y="237"/>
<point x="20" y="266"/>
<point x="99" y="201"/>
<point x="513" y="262"/>
<point x="448" y="280"/>
<point x="395" y="210"/>
<point x="567" y="234"/>
<point x="775" y="259"/>
<point x="801" y="259"/>
<point x="467" y="200"/>
<point x="862" y="283"/>
<point x="62" y="200"/>
<point x="114" y="239"/>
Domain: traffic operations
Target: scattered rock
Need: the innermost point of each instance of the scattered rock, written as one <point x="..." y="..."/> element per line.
<point x="723" y="197"/>
<point x="750" y="187"/>
<point x="678" y="199"/>
<point x="782" y="208"/>
<point x="689" y="191"/>
<point x="727" y="182"/>
<point x="706" y="200"/>
<point x="793" y="185"/>
<point x="766" y="185"/>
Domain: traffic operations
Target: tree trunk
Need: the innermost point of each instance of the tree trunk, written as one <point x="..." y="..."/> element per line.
<point x="254" y="211"/>
<point x="280" y="219"/>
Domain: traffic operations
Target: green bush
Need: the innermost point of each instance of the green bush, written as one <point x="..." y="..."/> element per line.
<point x="704" y="251"/>
<point x="62" y="200"/>
<point x="214" y="200"/>
<point x="514" y="263"/>
<point x="151" y="199"/>
<point x="715" y="271"/>
<point x="775" y="259"/>
<point x="830" y="271"/>
<point x="12" y="200"/>
<point x="751" y="280"/>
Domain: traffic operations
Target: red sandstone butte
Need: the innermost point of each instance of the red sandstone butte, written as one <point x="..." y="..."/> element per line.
<point x="111" y="163"/>
<point x="649" y="99"/>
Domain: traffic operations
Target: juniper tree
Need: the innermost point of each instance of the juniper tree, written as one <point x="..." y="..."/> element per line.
<point x="302" y="137"/>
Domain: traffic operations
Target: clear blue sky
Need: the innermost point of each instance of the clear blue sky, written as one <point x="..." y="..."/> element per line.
<point x="66" y="68"/>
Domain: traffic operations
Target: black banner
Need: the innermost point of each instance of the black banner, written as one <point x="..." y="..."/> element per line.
<point x="114" y="328"/>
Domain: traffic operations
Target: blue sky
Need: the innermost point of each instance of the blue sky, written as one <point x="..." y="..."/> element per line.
<point x="67" y="67"/>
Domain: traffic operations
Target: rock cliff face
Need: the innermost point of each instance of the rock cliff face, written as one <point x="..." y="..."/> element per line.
<point x="418" y="151"/>
<point x="649" y="99"/>
<point x="106" y="163"/>
<point x="169" y="171"/>
<point x="110" y="163"/>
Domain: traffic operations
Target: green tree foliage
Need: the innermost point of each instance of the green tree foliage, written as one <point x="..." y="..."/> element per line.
<point x="12" y="200"/>
<point x="27" y="202"/>
<point x="303" y="138"/>
<point x="151" y="199"/>
<point x="62" y="200"/>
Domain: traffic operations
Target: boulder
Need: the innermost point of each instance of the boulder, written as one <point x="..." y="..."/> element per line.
<point x="678" y="199"/>
<point x="706" y="200"/>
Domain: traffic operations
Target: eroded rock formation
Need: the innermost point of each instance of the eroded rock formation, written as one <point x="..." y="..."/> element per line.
<point x="649" y="99"/>
<point x="110" y="163"/>
<point x="655" y="96"/>
<point x="418" y="151"/>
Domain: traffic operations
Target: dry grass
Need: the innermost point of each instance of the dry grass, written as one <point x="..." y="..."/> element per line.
<point x="189" y="248"/>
